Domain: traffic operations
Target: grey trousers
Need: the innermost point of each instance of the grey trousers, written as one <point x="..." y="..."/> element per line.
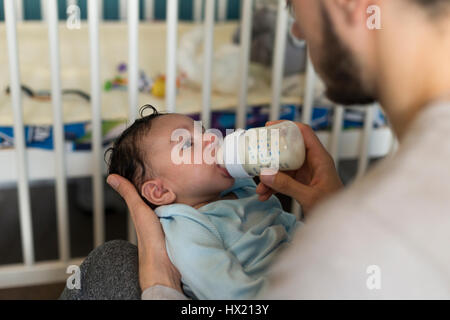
<point x="110" y="272"/>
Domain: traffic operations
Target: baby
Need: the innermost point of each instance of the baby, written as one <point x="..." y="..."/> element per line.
<point x="218" y="234"/>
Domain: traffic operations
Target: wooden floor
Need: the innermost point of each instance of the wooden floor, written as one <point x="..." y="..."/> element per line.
<point x="44" y="292"/>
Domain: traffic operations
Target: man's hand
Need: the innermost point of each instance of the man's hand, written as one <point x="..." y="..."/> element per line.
<point x="155" y="266"/>
<point x="316" y="179"/>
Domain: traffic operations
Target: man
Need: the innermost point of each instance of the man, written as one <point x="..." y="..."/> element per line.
<point x="387" y="235"/>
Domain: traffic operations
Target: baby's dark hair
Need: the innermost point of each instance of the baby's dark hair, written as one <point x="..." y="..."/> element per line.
<point x="127" y="158"/>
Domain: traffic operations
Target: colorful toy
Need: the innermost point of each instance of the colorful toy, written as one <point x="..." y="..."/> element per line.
<point x="159" y="87"/>
<point x="156" y="86"/>
<point x="145" y="82"/>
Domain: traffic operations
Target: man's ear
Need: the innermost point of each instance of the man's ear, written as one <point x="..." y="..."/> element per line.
<point x="155" y="192"/>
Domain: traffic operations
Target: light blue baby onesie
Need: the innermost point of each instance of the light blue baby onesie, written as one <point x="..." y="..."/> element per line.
<point x="223" y="249"/>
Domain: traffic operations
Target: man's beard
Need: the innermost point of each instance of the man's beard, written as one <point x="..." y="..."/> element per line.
<point x="341" y="70"/>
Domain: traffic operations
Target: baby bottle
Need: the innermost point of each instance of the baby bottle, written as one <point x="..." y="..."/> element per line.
<point x="244" y="153"/>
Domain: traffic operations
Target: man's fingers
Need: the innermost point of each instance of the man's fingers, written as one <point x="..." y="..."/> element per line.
<point x="271" y="123"/>
<point x="265" y="196"/>
<point x="285" y="184"/>
<point x="126" y="190"/>
<point x="147" y="225"/>
<point x="262" y="189"/>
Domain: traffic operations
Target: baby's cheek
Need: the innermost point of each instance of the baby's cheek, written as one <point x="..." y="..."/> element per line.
<point x="192" y="174"/>
<point x="205" y="174"/>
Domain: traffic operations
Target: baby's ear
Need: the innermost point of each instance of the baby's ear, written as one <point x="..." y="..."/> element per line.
<point x="155" y="192"/>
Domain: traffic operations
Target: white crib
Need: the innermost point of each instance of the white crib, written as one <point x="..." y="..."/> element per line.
<point x="23" y="166"/>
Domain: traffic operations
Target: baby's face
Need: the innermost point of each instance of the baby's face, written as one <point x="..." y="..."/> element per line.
<point x="192" y="181"/>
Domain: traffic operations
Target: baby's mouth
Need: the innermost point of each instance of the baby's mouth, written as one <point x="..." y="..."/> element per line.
<point x="224" y="171"/>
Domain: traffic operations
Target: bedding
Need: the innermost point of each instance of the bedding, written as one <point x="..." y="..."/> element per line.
<point x="77" y="136"/>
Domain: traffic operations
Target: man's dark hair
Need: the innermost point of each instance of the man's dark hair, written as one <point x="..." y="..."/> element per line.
<point x="431" y="3"/>
<point x="127" y="158"/>
<point x="436" y="7"/>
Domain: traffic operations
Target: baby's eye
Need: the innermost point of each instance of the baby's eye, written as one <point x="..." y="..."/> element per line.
<point x="187" y="144"/>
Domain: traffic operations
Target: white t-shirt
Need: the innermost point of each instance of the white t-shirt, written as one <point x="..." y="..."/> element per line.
<point x="386" y="236"/>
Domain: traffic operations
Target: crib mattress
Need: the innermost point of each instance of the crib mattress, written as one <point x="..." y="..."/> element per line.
<point x="75" y="72"/>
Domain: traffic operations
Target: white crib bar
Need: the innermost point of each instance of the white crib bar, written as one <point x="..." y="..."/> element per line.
<point x="308" y="99"/>
<point x="307" y="108"/>
<point x="171" y="62"/>
<point x="278" y="59"/>
<point x="149" y="9"/>
<point x="44" y="13"/>
<point x="123" y="7"/>
<point x="26" y="229"/>
<point x="208" y="65"/>
<point x="335" y="134"/>
<point x="71" y="2"/>
<point x="223" y="6"/>
<point x="58" y="130"/>
<point x="100" y="9"/>
<point x="246" y="29"/>
<point x="197" y="10"/>
<point x="133" y="59"/>
<point x="97" y="146"/>
<point x="19" y="11"/>
<point x="363" y="162"/>
<point x="133" y="78"/>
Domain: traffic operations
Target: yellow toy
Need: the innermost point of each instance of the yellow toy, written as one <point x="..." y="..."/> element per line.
<point x="159" y="87"/>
